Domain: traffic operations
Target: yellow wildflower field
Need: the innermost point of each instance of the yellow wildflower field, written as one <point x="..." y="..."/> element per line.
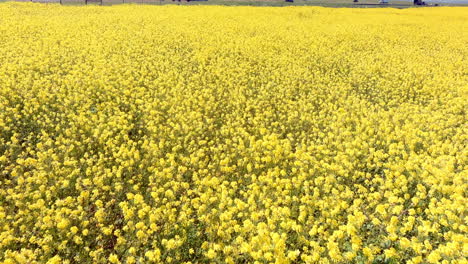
<point x="209" y="134"/>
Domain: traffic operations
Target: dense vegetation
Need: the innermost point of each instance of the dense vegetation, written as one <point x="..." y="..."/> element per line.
<point x="200" y="134"/>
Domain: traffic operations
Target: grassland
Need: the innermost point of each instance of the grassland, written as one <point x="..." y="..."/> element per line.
<point x="278" y="3"/>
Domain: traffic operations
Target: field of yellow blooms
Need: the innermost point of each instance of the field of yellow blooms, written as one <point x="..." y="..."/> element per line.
<point x="209" y="134"/>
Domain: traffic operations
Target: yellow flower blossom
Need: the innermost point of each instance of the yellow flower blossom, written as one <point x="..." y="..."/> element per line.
<point x="196" y="134"/>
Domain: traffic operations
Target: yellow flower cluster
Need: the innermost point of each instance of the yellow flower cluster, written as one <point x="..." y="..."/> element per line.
<point x="208" y="134"/>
